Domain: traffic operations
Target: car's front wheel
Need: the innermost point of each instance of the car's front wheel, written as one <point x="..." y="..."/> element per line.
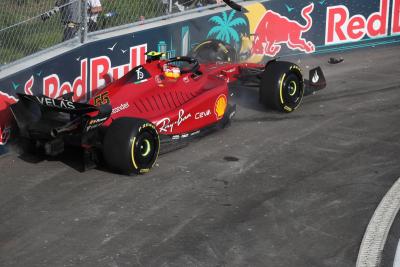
<point x="131" y="146"/>
<point x="282" y="86"/>
<point x="211" y="51"/>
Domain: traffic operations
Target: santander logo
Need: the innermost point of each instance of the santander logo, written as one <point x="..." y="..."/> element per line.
<point x="273" y="30"/>
<point x="341" y="27"/>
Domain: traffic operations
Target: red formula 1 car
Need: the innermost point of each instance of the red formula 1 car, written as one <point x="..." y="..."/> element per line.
<point x="156" y="106"/>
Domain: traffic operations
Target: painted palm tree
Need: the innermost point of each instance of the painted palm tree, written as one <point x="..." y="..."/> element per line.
<point x="225" y="29"/>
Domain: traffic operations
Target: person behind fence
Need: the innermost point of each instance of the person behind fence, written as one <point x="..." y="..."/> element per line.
<point x="94" y="8"/>
<point x="165" y="6"/>
<point x="70" y="15"/>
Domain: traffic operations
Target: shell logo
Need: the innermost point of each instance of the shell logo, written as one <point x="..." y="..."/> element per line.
<point x="220" y="106"/>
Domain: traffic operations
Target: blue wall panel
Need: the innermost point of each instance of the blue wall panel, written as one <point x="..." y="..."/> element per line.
<point x="290" y="27"/>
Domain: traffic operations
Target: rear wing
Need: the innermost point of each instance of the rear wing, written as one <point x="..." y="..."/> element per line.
<point x="58" y="104"/>
<point x="31" y="110"/>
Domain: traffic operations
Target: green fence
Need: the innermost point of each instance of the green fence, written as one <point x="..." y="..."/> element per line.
<point x="28" y="26"/>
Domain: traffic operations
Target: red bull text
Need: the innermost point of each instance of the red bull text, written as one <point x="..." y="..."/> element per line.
<point x="342" y="28"/>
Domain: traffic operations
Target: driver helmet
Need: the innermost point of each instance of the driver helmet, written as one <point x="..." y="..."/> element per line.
<point x="171" y="71"/>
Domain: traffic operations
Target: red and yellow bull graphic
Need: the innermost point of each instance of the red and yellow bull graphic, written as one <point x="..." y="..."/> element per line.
<point x="275" y="30"/>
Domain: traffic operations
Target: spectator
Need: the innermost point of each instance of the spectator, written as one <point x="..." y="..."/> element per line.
<point x="165" y="5"/>
<point x="179" y="6"/>
<point x="94" y="8"/>
<point x="69" y="10"/>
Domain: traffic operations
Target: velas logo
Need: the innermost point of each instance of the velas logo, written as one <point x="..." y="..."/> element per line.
<point x="273" y="30"/>
<point x="341" y="27"/>
<point x="94" y="75"/>
<point x="55" y="103"/>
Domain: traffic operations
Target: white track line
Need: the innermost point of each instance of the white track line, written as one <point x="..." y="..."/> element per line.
<point x="378" y="228"/>
<point x="396" y="262"/>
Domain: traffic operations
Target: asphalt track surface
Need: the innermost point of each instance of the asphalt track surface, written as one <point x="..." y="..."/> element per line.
<point x="271" y="190"/>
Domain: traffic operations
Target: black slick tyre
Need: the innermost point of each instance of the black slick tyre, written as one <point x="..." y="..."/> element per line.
<point x="131" y="146"/>
<point x="282" y="86"/>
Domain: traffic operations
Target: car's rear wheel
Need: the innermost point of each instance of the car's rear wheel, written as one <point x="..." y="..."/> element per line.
<point x="282" y="86"/>
<point x="131" y="146"/>
<point x="213" y="51"/>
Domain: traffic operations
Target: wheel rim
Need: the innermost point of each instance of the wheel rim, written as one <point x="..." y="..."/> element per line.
<point x="292" y="91"/>
<point x="292" y="88"/>
<point x="145" y="149"/>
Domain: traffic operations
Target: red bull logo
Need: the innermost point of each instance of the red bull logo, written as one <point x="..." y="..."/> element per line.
<point x="274" y="30"/>
<point x="94" y="74"/>
<point x="343" y="28"/>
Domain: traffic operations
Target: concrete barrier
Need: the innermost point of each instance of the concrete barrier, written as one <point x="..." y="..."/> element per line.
<point x="269" y="29"/>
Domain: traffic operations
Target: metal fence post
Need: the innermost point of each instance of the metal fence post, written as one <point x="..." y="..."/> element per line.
<point x="170" y="7"/>
<point x="83" y="5"/>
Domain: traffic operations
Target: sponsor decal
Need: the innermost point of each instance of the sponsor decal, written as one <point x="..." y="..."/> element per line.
<point x="202" y="114"/>
<point x="142" y="75"/>
<point x="295" y="67"/>
<point x="146" y="125"/>
<point x="165" y="125"/>
<point x="315" y="77"/>
<point x="144" y="170"/>
<point x="120" y="108"/>
<point x="50" y="102"/>
<point x="94" y="123"/>
<point x="101" y="99"/>
<point x="343" y="27"/>
<point x="273" y="30"/>
<point x="220" y="106"/>
<point x="139" y="74"/>
<point x="183" y="136"/>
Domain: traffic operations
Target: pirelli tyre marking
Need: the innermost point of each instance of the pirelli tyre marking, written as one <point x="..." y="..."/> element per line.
<point x="291" y="88"/>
